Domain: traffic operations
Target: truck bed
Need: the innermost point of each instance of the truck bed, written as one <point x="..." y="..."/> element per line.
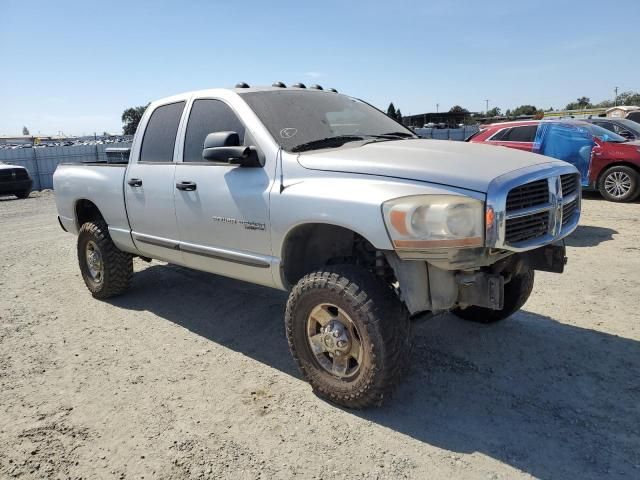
<point x="98" y="183"/>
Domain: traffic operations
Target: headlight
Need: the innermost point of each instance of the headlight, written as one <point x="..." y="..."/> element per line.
<point x="434" y="221"/>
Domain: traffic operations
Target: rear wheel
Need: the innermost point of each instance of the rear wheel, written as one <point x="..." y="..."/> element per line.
<point x="619" y="184"/>
<point x="349" y="335"/>
<point x="516" y="294"/>
<point x="106" y="271"/>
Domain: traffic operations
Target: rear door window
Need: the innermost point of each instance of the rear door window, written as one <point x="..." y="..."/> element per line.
<point x="526" y="133"/>
<point x="160" y="135"/>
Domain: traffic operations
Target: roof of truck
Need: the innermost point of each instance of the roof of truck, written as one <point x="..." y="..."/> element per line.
<point x="238" y="90"/>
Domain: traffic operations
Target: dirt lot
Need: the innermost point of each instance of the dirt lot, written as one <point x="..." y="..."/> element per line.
<point x="189" y="376"/>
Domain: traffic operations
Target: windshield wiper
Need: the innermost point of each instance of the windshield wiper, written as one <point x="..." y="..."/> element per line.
<point x="328" y="142"/>
<point x="395" y="134"/>
<point x="387" y="137"/>
<point x="390" y="136"/>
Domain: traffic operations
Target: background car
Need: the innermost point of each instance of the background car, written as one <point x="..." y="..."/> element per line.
<point x="607" y="162"/>
<point x="14" y="180"/>
<point x="624" y="127"/>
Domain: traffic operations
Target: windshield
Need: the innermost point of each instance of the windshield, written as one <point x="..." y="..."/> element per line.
<point x="301" y="117"/>
<point x="604" y="134"/>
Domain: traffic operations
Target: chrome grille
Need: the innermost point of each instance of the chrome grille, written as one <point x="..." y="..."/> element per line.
<point x="536" y="210"/>
<point x="528" y="195"/>
<point x="532" y="207"/>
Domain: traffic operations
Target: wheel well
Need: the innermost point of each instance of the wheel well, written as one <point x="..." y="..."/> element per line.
<point x="310" y="247"/>
<point x="86" y="211"/>
<point x="620" y="163"/>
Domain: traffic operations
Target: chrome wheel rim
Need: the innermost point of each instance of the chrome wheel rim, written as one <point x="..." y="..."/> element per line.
<point x="334" y="340"/>
<point x="95" y="266"/>
<point x="617" y="184"/>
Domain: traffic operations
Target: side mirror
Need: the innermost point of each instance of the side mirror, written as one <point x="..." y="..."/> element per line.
<point x="225" y="147"/>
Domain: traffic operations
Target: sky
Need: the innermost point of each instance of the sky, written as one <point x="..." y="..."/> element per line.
<point x="74" y="66"/>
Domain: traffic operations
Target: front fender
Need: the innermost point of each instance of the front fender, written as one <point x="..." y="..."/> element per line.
<point x="347" y="200"/>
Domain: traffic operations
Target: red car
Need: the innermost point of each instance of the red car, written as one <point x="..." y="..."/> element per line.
<point x="607" y="161"/>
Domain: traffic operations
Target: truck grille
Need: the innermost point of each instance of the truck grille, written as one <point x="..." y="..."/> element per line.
<point x="570" y="184"/>
<point x="532" y="211"/>
<point x="568" y="210"/>
<point x="528" y="195"/>
<point x="532" y="226"/>
<point x="7" y="175"/>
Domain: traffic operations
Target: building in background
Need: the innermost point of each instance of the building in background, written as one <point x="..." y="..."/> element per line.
<point x="628" y="112"/>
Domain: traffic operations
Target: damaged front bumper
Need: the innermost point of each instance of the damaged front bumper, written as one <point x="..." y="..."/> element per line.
<point x="428" y="286"/>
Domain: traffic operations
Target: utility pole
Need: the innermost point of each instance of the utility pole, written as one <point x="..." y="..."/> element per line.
<point x="437" y="107"/>
<point x="615" y="101"/>
<point x="487" y="109"/>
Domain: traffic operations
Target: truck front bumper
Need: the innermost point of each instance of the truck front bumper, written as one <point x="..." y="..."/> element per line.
<point x="425" y="286"/>
<point x="15" y="186"/>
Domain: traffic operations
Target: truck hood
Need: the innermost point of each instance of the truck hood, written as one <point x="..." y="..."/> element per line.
<point x="458" y="164"/>
<point x="6" y="166"/>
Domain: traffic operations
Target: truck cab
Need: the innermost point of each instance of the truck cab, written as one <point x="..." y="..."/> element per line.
<point x="322" y="195"/>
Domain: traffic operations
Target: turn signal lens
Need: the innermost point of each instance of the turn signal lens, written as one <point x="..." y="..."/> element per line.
<point x="489" y="217"/>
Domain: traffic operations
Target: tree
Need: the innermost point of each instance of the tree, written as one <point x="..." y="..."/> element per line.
<point x="580" y="104"/>
<point x="584" y="101"/>
<point x="25" y="131"/>
<point x="458" y="109"/>
<point x="399" y="116"/>
<point x="494" y="112"/>
<point x="629" y="98"/>
<point x="131" y="118"/>
<point x="604" y="104"/>
<point x="524" y="110"/>
<point x="391" y="110"/>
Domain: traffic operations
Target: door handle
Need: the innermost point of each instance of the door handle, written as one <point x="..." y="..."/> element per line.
<point x="135" y="182"/>
<point x="186" y="186"/>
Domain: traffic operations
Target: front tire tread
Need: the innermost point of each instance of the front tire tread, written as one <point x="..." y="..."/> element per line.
<point x="384" y="318"/>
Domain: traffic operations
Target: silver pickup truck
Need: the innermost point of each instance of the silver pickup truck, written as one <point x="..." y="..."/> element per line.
<point x="321" y="194"/>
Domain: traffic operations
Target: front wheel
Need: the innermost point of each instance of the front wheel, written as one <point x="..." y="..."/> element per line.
<point x="349" y="335"/>
<point x="106" y="270"/>
<point x="516" y="294"/>
<point x="619" y="184"/>
<point x="23" y="194"/>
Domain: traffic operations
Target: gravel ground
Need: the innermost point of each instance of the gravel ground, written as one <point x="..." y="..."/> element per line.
<point x="188" y="376"/>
